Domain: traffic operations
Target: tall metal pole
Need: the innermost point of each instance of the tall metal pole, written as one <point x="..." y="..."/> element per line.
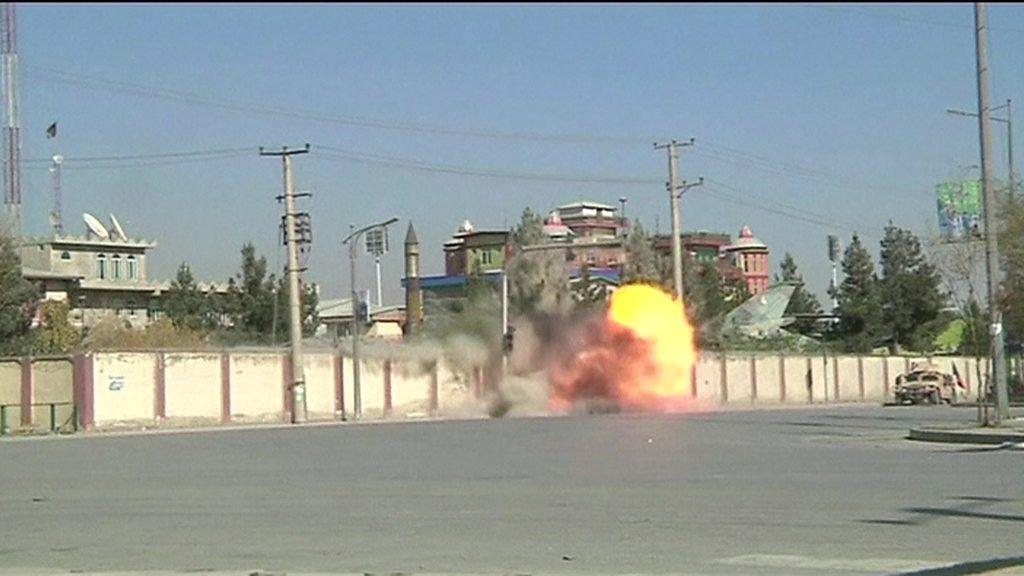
<point x="298" y="383"/>
<point x="991" y="227"/>
<point x="380" y="298"/>
<point x="1009" y="148"/>
<point x="357" y="394"/>
<point x="353" y="245"/>
<point x="11" y="117"/>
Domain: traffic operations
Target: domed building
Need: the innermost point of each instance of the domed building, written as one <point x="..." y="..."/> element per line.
<point x="750" y="256"/>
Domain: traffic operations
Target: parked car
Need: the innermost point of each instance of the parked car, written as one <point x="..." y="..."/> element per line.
<point x="925" y="383"/>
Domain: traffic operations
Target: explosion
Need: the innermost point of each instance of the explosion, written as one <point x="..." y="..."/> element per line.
<point x="639" y="356"/>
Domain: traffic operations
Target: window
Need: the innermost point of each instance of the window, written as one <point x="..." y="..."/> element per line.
<point x="101" y="266"/>
<point x="132" y="268"/>
<point x="486" y="257"/>
<point x="117" y="266"/>
<point x="65" y="255"/>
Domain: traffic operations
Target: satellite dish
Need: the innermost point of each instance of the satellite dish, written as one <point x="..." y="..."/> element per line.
<point x="117" y="228"/>
<point x="95" y="226"/>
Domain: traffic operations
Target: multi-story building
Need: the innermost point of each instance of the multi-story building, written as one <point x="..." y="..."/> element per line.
<point x="472" y="251"/>
<point x="99" y="275"/>
<point x="596" y="234"/>
<point x="750" y="256"/>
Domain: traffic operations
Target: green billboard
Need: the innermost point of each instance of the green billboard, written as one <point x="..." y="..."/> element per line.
<point x="959" y="205"/>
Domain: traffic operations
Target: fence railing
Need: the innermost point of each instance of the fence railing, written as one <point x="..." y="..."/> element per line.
<point x="54" y="427"/>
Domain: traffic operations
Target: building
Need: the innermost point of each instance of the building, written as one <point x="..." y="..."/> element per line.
<point x="471" y="251"/>
<point x="750" y="256"/>
<point x="594" y="232"/>
<point x="746" y="259"/>
<point x="335" y="317"/>
<point x="101" y="274"/>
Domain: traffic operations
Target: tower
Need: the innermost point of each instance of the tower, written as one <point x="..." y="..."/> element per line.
<point x="413" y="294"/>
<point x="12" y="130"/>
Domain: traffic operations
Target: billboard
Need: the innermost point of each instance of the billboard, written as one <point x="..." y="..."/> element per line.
<point x="959" y="204"/>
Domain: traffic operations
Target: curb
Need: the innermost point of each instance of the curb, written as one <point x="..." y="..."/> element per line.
<point x="965" y="437"/>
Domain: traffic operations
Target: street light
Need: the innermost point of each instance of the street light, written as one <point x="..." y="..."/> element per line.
<point x="1009" y="136"/>
<point x="353" y="245"/>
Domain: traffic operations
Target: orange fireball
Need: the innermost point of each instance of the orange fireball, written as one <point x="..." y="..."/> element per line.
<point x="639" y="356"/>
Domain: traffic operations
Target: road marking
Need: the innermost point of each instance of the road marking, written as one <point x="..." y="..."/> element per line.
<point x="883" y="565"/>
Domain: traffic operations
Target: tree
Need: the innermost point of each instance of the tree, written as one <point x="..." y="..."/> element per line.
<point x="537" y="281"/>
<point x="802" y="302"/>
<point x="17" y="299"/>
<point x="1011" y="250"/>
<point x="641" y="261"/>
<point x="252" y="296"/>
<point x="860" y="309"/>
<point x="909" y="292"/>
<point x="55" y="334"/>
<point x="187" y="306"/>
<point x="308" y="308"/>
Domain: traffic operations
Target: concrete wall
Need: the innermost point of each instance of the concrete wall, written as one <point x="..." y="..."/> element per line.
<point x="10" y="391"/>
<point x="257" y="387"/>
<point x="192" y="387"/>
<point x="124" y="388"/>
<point x="319" y="374"/>
<point x="52" y="381"/>
<point x="213" y="388"/>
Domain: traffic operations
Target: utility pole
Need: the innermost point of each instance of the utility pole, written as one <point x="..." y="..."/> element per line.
<point x="298" y="384"/>
<point x="352" y="240"/>
<point x="991" y="227"/>
<point x="12" y="120"/>
<point x="675" y="191"/>
<point x="56" y="216"/>
<point x="1011" y="187"/>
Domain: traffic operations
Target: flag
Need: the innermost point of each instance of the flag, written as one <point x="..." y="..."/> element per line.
<point x="959" y="380"/>
<point x="51" y="132"/>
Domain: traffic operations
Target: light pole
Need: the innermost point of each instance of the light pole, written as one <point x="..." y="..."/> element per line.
<point x="352" y="240"/>
<point x="1012" y="189"/>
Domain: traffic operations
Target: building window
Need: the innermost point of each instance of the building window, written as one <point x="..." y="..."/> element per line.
<point x="485" y="257"/>
<point x="65" y="255"/>
<point x="132" y="269"/>
<point x="117" y="266"/>
<point x="101" y="266"/>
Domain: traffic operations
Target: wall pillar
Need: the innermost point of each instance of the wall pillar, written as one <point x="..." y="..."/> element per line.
<point x="287" y="372"/>
<point x="160" y="398"/>
<point x="83" y="392"/>
<point x="724" y="380"/>
<point x="860" y="376"/>
<point x="225" y="388"/>
<point x="433" y="390"/>
<point x="782" y="379"/>
<point x="387" y="388"/>
<point x="26" y="392"/>
<point x="339" y="386"/>
<point x="753" y="380"/>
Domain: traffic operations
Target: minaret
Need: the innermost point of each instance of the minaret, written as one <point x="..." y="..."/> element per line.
<point x="413" y="295"/>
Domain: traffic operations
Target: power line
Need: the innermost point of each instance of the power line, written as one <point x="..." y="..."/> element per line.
<point x="330" y="152"/>
<point x="198" y="99"/>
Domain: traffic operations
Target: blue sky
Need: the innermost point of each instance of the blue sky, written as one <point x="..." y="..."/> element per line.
<point x="809" y="119"/>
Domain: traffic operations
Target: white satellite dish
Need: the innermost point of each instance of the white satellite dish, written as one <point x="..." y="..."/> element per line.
<point x="117" y="228"/>
<point x="95" y="226"/>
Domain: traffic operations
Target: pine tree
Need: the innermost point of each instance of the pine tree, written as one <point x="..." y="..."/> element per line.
<point x="537" y="281"/>
<point x="641" y="261"/>
<point x="186" y="305"/>
<point x="253" y="296"/>
<point x="860" y="309"/>
<point x="909" y="291"/>
<point x="17" y="299"/>
<point x="802" y="302"/>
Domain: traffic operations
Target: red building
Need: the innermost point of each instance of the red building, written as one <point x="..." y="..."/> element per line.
<point x="750" y="256"/>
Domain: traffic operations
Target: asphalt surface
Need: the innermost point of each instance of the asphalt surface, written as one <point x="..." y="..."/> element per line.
<point x="804" y="491"/>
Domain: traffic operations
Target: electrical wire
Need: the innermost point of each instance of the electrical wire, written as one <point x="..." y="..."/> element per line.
<point x="106" y="84"/>
<point x="329" y="152"/>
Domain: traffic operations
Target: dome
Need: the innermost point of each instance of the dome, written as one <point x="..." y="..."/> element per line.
<point x="554" y="219"/>
<point x="747" y="241"/>
<point x="466" y="226"/>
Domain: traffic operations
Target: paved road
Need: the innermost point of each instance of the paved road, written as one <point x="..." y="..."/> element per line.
<point x="787" y="491"/>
